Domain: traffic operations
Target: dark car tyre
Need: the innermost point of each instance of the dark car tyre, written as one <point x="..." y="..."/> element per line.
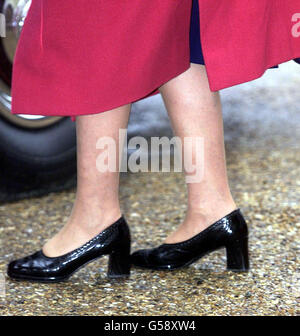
<point x="37" y="154"/>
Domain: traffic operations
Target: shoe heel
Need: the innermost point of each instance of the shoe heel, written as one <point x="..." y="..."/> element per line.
<point x="119" y="262"/>
<point x="238" y="255"/>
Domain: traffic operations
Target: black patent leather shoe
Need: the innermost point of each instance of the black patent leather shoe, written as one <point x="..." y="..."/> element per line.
<point x="113" y="241"/>
<point x="230" y="232"/>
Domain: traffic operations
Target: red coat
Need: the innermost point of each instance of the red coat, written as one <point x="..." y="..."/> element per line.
<point x="241" y="39"/>
<point x="98" y="55"/>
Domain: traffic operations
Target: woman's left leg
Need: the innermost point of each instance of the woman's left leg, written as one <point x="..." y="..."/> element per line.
<point x="195" y="111"/>
<point x="212" y="220"/>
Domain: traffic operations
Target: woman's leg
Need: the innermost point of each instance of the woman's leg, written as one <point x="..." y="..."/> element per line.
<point x="195" y="111"/>
<point x="97" y="200"/>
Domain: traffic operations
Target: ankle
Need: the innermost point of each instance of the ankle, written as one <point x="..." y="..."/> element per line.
<point x="94" y="218"/>
<point x="204" y="216"/>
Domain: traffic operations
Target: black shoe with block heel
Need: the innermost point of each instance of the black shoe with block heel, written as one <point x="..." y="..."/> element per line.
<point x="113" y="241"/>
<point x="230" y="232"/>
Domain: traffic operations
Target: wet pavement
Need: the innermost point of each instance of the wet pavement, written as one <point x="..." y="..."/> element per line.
<point x="262" y="134"/>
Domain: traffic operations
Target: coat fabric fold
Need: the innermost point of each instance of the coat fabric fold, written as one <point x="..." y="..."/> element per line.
<point x="99" y="55"/>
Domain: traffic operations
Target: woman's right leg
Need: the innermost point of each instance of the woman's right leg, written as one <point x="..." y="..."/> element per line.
<point x="97" y="198"/>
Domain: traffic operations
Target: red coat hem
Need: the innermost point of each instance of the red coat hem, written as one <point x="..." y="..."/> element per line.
<point x="134" y="98"/>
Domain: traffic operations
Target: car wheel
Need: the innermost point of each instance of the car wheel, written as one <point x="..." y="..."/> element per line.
<point x="37" y="153"/>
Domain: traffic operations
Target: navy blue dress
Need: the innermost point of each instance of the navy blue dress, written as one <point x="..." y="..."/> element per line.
<point x="196" y="55"/>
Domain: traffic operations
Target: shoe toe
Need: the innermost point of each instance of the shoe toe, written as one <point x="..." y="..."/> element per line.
<point x="14" y="267"/>
<point x="139" y="258"/>
<point x="20" y="266"/>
